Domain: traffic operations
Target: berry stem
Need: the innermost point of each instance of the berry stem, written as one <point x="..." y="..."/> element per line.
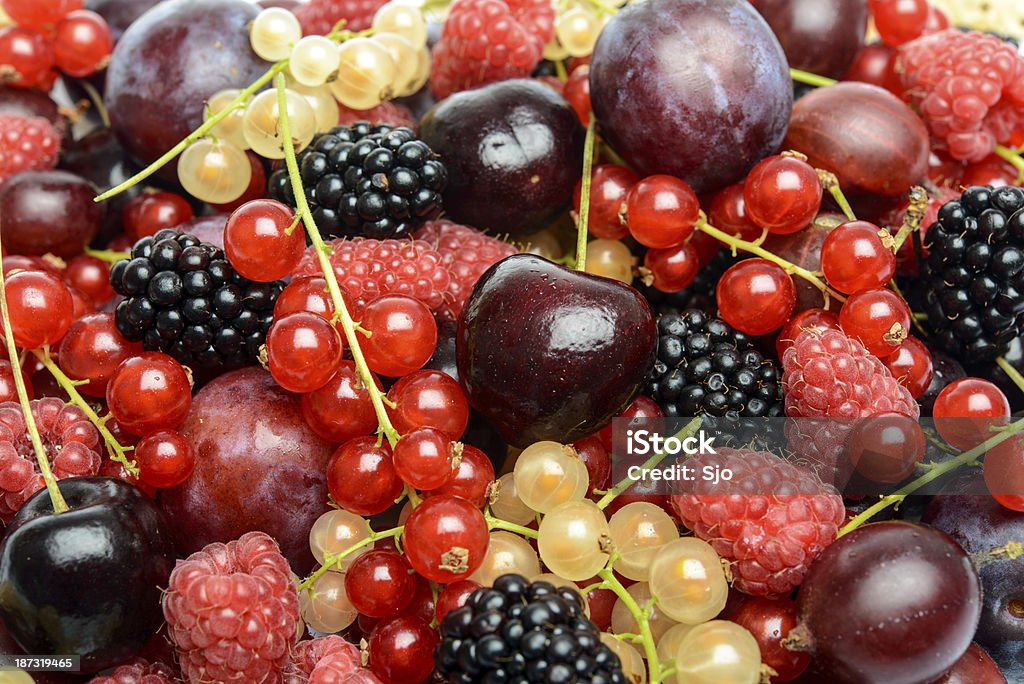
<point x="56" y="498"/>
<point x="335" y="558"/>
<point x="807" y="78"/>
<point x="1011" y="372"/>
<point x="610" y="581"/>
<point x="499" y="524"/>
<point x="831" y="183"/>
<point x="688" y="430"/>
<point x="322" y="251"/>
<point x="114" y="448"/>
<point x="913" y="216"/>
<point x="581" y="226"/>
<point x="108" y="255"/>
<point x="1014" y="158"/>
<point x="966" y="458"/>
<point x="753" y="248"/>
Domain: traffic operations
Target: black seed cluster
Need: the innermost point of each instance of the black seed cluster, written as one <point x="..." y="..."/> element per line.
<point x="517" y="631"/>
<point x="376" y="181"/>
<point x="183" y="298"/>
<point x="974" y="273"/>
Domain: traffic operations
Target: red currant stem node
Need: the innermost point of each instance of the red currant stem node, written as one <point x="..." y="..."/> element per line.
<point x="831" y="183"/>
<point x="913" y="216"/>
<point x="1014" y="158"/>
<point x="966" y="458"/>
<point x="581" y="226"/>
<point x="688" y="430"/>
<point x="56" y="498"/>
<point x="386" y="429"/>
<point x="807" y="78"/>
<point x="333" y="559"/>
<point x="114" y="448"/>
<point x="610" y="581"/>
<point x="108" y="255"/>
<point x="736" y="243"/>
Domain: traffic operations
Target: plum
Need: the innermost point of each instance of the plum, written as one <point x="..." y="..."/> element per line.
<point x="258" y="467"/>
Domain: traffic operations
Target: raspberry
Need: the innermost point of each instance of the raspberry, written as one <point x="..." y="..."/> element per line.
<point x="232" y="611"/>
<point x="489" y="40"/>
<point x="327" y="660"/>
<point x="27" y="143"/>
<point x="368" y="268"/>
<point x="968" y="88"/>
<point x="832" y="376"/>
<point x="388" y="113"/>
<point x="770" y="521"/>
<point x="466" y="253"/>
<point x="69" y="439"/>
<point x="318" y="17"/>
<point x="138" y="671"/>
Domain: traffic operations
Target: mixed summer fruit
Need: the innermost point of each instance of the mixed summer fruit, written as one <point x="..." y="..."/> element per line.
<point x="316" y="316"/>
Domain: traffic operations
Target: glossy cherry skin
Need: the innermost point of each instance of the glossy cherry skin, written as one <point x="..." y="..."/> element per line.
<point x="592" y="339"/>
<point x="819" y="36"/>
<point x="401" y="650"/>
<point x="967" y="409"/>
<point x="49" y="212"/>
<point x="974" y="667"/>
<point x="640" y="408"/>
<point x="609" y="185"/>
<point x="770" y="620"/>
<point x="755" y="296"/>
<point x="87" y="581"/>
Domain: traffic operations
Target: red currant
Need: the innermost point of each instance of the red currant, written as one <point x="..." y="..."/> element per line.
<point x="1004" y="473"/>
<point x="150" y="212"/>
<point x="855" y="257"/>
<point x="41" y="15"/>
<point x="380" y="583"/>
<point x="577" y="93"/>
<point x="937" y="20"/>
<point x="340" y="410"/>
<point x="26" y="58"/>
<point x="601" y="603"/>
<point x="454" y="596"/>
<point x="707" y="247"/>
<point x="303" y="351"/>
<point x="808" y="319"/>
<point x="445" y="538"/>
<point x="361" y="476"/>
<point x="424" y="458"/>
<point x="165" y="459"/>
<point x="81" y="303"/>
<point x="640" y="408"/>
<point x="8" y="391"/>
<point x="257" y="241"/>
<point x="83" y="43"/>
<point x="728" y="212"/>
<point x="674" y="268"/>
<point x="899" y="21"/>
<point x="310" y="293"/>
<point x="422" y="605"/>
<point x="403" y="334"/>
<point x="92" y="350"/>
<point x="967" y="409"/>
<point x="598" y="462"/>
<point x="782" y="194"/>
<point x="91" y="276"/>
<point x="879" y="318"/>
<point x="429" y="398"/>
<point x="770" y="621"/>
<point x="755" y="296"/>
<point x="40" y="307"/>
<point x="661" y="211"/>
<point x="912" y="366"/>
<point x="149" y="392"/>
<point x="609" y="185"/>
<point x="402" y="650"/>
<point x="886" y="447"/>
<point x="471" y="479"/>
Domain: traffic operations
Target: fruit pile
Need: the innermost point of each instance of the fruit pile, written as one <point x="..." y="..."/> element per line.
<point x="323" y="323"/>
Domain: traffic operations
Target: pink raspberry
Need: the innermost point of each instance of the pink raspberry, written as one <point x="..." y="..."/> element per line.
<point x="27" y="143"/>
<point x="368" y="268"/>
<point x="328" y="660"/>
<point x="384" y="113"/>
<point x="484" y="41"/>
<point x="466" y="253"/>
<point x="318" y="17"/>
<point x="968" y="88"/>
<point x="71" y="443"/>
<point x="770" y="521"/>
<point x="232" y="611"/>
<point x="138" y="671"/>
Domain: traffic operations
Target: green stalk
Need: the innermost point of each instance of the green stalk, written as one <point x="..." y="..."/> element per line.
<point x="334" y="559"/>
<point x="807" y="78"/>
<point x="610" y="581"/>
<point x="584" y="218"/>
<point x="1012" y="156"/>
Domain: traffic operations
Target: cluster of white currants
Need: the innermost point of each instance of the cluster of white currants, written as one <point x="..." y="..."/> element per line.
<point x="577" y="26"/>
<point x="359" y="73"/>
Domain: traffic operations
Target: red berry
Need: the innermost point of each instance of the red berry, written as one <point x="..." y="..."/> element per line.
<point x="150" y="212"/>
<point x="454" y="596"/>
<point x="309" y="293"/>
<point x="41" y="15"/>
<point x="471" y="478"/>
<point x="303" y="351"/>
<point x="673" y="268"/>
<point x="808" y="319"/>
<point x="8" y="390"/>
<point x="27" y="143"/>
<point x="598" y="462"/>
<point x="728" y="212"/>
<point x="83" y="43"/>
<point x="886" y="447"/>
<point x="878" y="318"/>
<point x="40" y="308"/>
<point x="380" y="583"/>
<point x="424" y="458"/>
<point x="899" y="21"/>
<point x="769" y="621"/>
<point x="912" y="366"/>
<point x="402" y="650"/>
<point x="91" y="276"/>
<point x="149" y="392"/>
<point x="640" y="408"/>
<point x="341" y="409"/>
<point x="422" y="605"/>
<point x="445" y="538"/>
<point x="361" y="476"/>
<point x="661" y="211"/>
<point x="26" y="59"/>
<point x="782" y="194"/>
<point x="577" y="92"/>
<point x="92" y="350"/>
<point x="138" y="671"/>
<point x="967" y="409"/>
<point x="1004" y="473"/>
<point x="429" y="398"/>
<point x="854" y="256"/>
<point x="402" y="338"/>
<point x="257" y="241"/>
<point x="609" y="186"/>
<point x="318" y="17"/>
<point x="755" y="296"/>
<point x="165" y="459"/>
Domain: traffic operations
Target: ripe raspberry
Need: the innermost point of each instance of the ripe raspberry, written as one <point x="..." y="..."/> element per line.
<point x="138" y="671"/>
<point x="770" y="521"/>
<point x="827" y="375"/>
<point x="368" y="268"/>
<point x="27" y="143"/>
<point x="70" y="440"/>
<point x="232" y="611"/>
<point x="466" y="253"/>
<point x="318" y="17"/>
<point x="389" y="113"/>
<point x="328" y="660"/>
<point x="968" y="88"/>
<point x="489" y="40"/>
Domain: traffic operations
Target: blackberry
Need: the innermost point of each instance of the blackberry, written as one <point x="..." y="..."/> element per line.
<point x="183" y="298"/>
<point x="974" y="273"/>
<point x="517" y="631"/>
<point x="377" y="181"/>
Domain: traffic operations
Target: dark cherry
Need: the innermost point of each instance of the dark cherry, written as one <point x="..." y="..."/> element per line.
<point x="48" y="212"/>
<point x="819" y="36"/>
<point x="120" y="13"/>
<point x="770" y="621"/>
<point x="512" y="150"/>
<point x="592" y="340"/>
<point x="26" y="102"/>
<point x="974" y="667"/>
<point x="87" y="581"/>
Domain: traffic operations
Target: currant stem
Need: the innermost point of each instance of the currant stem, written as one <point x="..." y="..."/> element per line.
<point x="966" y="458"/>
<point x="499" y="524"/>
<point x="754" y="248"/>
<point x="322" y="251"/>
<point x="612" y="582"/>
<point x="581" y="226"/>
<point x="1014" y="158"/>
<point x="334" y="559"/>
<point x="114" y="448"/>
<point x="56" y="498"/>
<point x="108" y="255"/>
<point x="1011" y="372"/>
<point x="913" y="216"/>
<point x="807" y="78"/>
<point x="831" y="183"/>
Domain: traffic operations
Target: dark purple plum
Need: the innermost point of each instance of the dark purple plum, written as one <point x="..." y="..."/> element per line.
<point x="892" y="602"/>
<point x="168" y="63"/>
<point x="698" y="89"/>
<point x="120" y="13"/>
<point x="545" y="353"/>
<point x="513" y="154"/>
<point x="48" y="212"/>
<point x="31" y="103"/>
<point x="974" y="667"/>
<point x="258" y="467"/>
<point x="819" y="36"/>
